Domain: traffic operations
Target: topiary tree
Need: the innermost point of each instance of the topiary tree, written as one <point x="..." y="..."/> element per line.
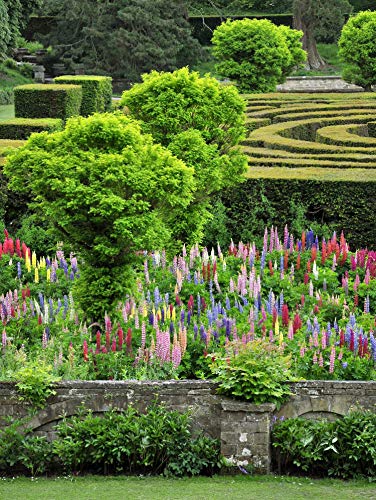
<point x="108" y="190"/>
<point x="357" y="47"/>
<point x="255" y="53"/>
<point x="201" y="122"/>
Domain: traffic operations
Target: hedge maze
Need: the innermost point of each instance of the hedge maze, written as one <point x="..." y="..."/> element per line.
<point x="312" y="151"/>
<point x="308" y="136"/>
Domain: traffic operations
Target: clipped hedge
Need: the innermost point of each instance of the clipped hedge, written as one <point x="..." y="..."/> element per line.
<point x="301" y="162"/>
<point x="22" y="128"/>
<point x="348" y="135"/>
<point x="324" y="196"/>
<point x="47" y="101"/>
<point x="96" y="92"/>
<point x="6" y="144"/>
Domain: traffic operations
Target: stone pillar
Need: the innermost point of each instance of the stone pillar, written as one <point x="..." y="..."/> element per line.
<point x="38" y="73"/>
<point x="245" y="434"/>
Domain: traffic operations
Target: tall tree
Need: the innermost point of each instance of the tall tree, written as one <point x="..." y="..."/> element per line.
<point x="14" y="15"/>
<point x="124" y="39"/>
<point x="309" y="14"/>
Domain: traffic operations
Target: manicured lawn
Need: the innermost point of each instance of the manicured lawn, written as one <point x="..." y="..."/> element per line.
<point x="238" y="487"/>
<point x="6" y="112"/>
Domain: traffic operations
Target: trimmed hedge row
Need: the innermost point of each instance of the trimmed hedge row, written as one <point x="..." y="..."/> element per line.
<point x="22" y="128"/>
<point x="348" y="135"/>
<point x="47" y="101"/>
<point x="346" y="204"/>
<point x="6" y="144"/>
<point x="285" y="135"/>
<point x="301" y="162"/>
<point x="96" y="92"/>
<point x="279" y="153"/>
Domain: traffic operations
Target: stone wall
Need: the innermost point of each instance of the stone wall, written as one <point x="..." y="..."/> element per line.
<point x="317" y="84"/>
<point x="243" y="428"/>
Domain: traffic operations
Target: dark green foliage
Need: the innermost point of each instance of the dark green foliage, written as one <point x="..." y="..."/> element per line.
<point x="22" y="128"/>
<point x="47" y="101"/>
<point x="344" y="448"/>
<point x="96" y="92"/>
<point x="156" y="442"/>
<point x="14" y="15"/>
<point x="20" y="450"/>
<point x="122" y="39"/>
<point x="347" y="206"/>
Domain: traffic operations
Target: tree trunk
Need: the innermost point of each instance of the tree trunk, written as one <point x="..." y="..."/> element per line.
<point x="305" y="22"/>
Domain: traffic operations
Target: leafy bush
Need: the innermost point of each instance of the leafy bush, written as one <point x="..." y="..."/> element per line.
<point x="256" y="53"/>
<point x="158" y="441"/>
<point x="344" y="448"/>
<point x="357" y="46"/>
<point x="257" y="372"/>
<point x="35" y="383"/>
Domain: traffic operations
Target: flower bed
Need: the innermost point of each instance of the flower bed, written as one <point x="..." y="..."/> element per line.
<point x="312" y="303"/>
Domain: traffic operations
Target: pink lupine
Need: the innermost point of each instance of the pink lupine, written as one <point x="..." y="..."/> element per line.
<point x="321" y="360"/>
<point x="332" y="359"/>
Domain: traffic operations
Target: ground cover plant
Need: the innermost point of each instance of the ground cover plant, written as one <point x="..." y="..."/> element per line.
<point x="306" y="307"/>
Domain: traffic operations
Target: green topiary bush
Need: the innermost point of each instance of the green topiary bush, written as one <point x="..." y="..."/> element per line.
<point x="256" y="54"/>
<point x="96" y="92"/>
<point x="47" y="101"/>
<point x="22" y="128"/>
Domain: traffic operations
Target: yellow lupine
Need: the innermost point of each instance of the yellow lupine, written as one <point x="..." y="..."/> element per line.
<point x="34" y="259"/>
<point x="173" y="315"/>
<point x="36" y="275"/>
<point x="27" y="262"/>
<point x="48" y="275"/>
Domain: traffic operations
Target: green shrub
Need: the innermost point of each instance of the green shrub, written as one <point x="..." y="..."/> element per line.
<point x="159" y="441"/>
<point x="47" y="101"/>
<point x="357" y="46"/>
<point x="257" y="372"/>
<point x="22" y="128"/>
<point x="96" y="92"/>
<point x="35" y="384"/>
<point x="344" y="448"/>
<point x="6" y="96"/>
<point x="256" y="53"/>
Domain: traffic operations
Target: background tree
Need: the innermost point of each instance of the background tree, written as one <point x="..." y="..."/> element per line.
<point x="108" y="191"/>
<point x="120" y="38"/>
<point x="255" y="53"/>
<point x="202" y="123"/>
<point x="357" y="47"/>
<point x="14" y="15"/>
<point x="312" y="15"/>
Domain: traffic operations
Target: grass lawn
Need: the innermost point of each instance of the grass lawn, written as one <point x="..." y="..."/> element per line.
<point x="6" y="112"/>
<point x="157" y="488"/>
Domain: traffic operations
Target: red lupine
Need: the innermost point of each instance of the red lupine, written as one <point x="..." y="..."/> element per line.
<point x="98" y="339"/>
<point x="120" y="337"/>
<point x="285" y="315"/>
<point x="297" y="323"/>
<point x="128" y="341"/>
<point x="341" y="338"/>
<point x="85" y="350"/>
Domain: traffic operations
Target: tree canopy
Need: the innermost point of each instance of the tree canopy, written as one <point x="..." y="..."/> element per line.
<point x="14" y="15"/>
<point x="108" y="190"/>
<point x="202" y="123"/>
<point x="123" y="39"/>
<point x="257" y="54"/>
<point x="357" y="47"/>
